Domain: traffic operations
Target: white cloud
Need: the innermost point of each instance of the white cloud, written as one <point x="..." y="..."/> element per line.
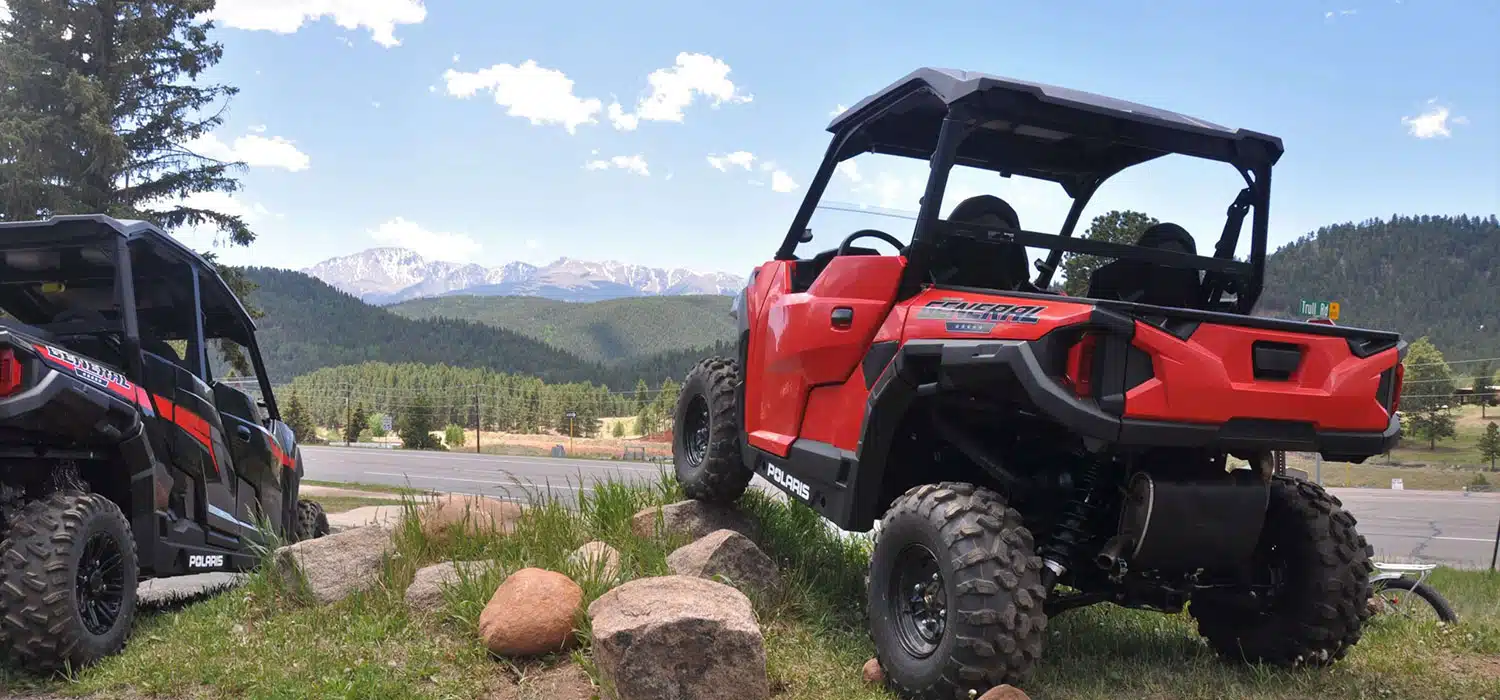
<point x="850" y="170"/>
<point x="781" y="182"/>
<point x="380" y="17"/>
<point x="258" y="128"/>
<point x="676" y="88"/>
<point x="224" y="203"/>
<point x="4" y="11"/>
<point x="540" y="95"/>
<point x="433" y="245"/>
<point x="375" y="104"/>
<point x="346" y="41"/>
<point x="1433" y="122"/>
<point x="455" y="58"/>
<point x="743" y="159"/>
<point x="837" y="110"/>
<point x="621" y="119"/>
<point x="634" y="164"/>
<point x="254" y="150"/>
<point x="533" y="244"/>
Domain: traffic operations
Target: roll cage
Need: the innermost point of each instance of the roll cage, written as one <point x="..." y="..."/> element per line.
<point x="120" y="280"/>
<point x="1075" y="139"/>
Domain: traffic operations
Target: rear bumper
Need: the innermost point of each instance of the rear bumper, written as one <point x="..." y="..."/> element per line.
<point x="58" y="408"/>
<point x="983" y="365"/>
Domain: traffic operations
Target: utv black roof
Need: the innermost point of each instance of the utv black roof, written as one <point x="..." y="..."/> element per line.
<point x="153" y="252"/>
<point x="1053" y="133"/>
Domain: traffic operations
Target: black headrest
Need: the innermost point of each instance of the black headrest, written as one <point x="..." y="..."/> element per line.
<point x="1164" y="234"/>
<point x="973" y="208"/>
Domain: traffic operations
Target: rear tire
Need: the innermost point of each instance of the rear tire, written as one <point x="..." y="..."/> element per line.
<point x="68" y="577"/>
<point x="706" y="434"/>
<point x="312" y="522"/>
<point x="978" y="624"/>
<point x="1322" y="604"/>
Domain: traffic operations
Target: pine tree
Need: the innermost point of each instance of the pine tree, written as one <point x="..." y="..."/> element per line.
<point x="618" y="430"/>
<point x="416" y="425"/>
<point x="299" y="421"/>
<point x="1110" y="227"/>
<point x="1489" y="444"/>
<point x="101" y="100"/>
<point x="356" y="425"/>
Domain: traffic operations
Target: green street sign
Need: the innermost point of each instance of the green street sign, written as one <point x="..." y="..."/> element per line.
<point x="1318" y="309"/>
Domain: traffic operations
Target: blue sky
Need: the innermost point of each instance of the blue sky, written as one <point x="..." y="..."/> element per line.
<point x="371" y="122"/>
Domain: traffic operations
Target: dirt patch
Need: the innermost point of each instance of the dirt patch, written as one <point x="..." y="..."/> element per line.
<point x="565" y="682"/>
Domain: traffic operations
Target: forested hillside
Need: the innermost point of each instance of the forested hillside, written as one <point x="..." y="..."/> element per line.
<point x="1436" y="276"/>
<point x="605" y="331"/>
<point x="309" y="325"/>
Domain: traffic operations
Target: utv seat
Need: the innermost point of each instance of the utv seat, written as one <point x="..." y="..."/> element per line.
<point x="966" y="262"/>
<point x="1148" y="283"/>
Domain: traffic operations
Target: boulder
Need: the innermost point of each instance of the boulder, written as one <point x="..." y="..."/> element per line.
<point x="338" y="565"/>
<point x="425" y="593"/>
<point x="473" y="514"/>
<point x="674" y="637"/>
<point x="728" y="554"/>
<point x="1005" y="692"/>
<point x="694" y="519"/>
<point x="873" y="673"/>
<point x="531" y="613"/>
<point x="596" y="556"/>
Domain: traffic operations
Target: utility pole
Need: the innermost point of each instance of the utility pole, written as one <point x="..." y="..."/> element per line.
<point x="1496" y="556"/>
<point x="478" y="421"/>
<point x="349" y="411"/>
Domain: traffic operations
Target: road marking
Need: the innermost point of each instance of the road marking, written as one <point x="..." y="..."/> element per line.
<point x="1467" y="539"/>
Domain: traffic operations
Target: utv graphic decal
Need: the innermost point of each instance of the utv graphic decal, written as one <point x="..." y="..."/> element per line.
<point x="789" y="482"/>
<point x="88" y="370"/>
<point x="205" y="561"/>
<point x="977" y="317"/>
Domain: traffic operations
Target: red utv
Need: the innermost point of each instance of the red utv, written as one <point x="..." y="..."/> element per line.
<point x="1027" y="452"/>
<point x="122" y="456"/>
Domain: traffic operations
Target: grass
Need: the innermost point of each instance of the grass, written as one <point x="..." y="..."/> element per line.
<point x="340" y="504"/>
<point x="262" y="640"/>
<point x="358" y="486"/>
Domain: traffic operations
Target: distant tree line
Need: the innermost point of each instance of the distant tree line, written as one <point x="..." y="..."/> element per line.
<point x="435" y="396"/>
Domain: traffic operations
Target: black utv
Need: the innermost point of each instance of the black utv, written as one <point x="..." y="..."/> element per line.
<point x="122" y="457"/>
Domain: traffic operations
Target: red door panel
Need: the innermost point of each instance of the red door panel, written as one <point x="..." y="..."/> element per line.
<point x="799" y="346"/>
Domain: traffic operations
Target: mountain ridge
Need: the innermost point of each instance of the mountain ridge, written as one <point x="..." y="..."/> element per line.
<point x="390" y="275"/>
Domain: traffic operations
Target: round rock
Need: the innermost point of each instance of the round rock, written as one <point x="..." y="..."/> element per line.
<point x="531" y="613"/>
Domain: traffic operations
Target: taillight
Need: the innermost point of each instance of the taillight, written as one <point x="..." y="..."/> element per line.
<point x="1080" y="372"/>
<point x="10" y="372"/>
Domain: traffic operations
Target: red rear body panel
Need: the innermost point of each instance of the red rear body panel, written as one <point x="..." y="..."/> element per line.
<point x="804" y="379"/>
<point x="1209" y="379"/>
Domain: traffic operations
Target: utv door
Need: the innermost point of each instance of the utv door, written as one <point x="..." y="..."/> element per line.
<point x="194" y="435"/>
<point x="256" y="464"/>
<point x="811" y="328"/>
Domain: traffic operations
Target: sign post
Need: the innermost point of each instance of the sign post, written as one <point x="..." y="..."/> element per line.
<point x="572" y="419"/>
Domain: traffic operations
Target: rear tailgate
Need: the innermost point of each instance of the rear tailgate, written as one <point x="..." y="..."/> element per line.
<point x="1255" y="381"/>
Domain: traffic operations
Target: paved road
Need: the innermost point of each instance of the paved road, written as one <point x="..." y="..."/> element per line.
<point x="1435" y="526"/>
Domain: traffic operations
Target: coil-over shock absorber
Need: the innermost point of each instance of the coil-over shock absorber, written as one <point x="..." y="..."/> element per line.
<point x="1072" y="530"/>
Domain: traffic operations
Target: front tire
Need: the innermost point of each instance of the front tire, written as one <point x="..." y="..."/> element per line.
<point x="1319" y="568"/>
<point x="706" y="434"/>
<point x="955" y="593"/>
<point x="68" y="576"/>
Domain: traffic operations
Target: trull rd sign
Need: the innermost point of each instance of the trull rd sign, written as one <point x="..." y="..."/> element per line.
<point x="1318" y="309"/>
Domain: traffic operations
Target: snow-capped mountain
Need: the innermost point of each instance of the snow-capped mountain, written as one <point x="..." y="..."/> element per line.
<point x="391" y="275"/>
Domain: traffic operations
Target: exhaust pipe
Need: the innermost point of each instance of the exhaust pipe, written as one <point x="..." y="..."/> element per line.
<point x="1110" y="555"/>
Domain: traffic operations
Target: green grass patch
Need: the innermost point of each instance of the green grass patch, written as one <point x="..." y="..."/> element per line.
<point x="374" y="488"/>
<point x="340" y="504"/>
<point x="263" y="640"/>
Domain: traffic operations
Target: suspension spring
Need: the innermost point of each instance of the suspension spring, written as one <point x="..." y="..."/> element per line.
<point x="1072" y="529"/>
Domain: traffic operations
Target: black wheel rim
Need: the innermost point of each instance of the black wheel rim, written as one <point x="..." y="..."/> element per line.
<point x="919" y="601"/>
<point x="100" y="584"/>
<point x="695" y="432"/>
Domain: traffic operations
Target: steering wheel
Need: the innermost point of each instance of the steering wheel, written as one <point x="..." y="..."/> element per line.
<point x="871" y="233"/>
